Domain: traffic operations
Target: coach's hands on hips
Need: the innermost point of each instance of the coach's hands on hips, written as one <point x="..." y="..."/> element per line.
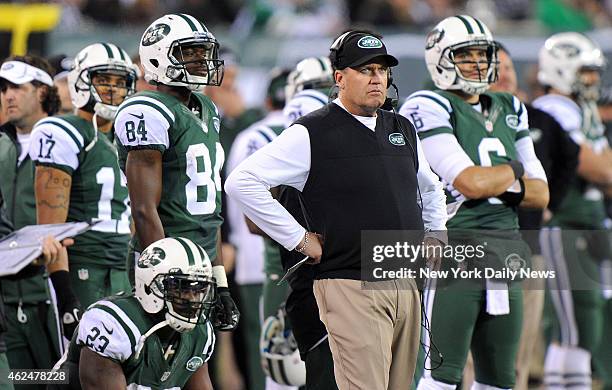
<point x="225" y="315"/>
<point x="311" y="246"/>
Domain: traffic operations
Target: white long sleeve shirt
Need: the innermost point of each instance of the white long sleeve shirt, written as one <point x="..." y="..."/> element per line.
<point x="286" y="161"/>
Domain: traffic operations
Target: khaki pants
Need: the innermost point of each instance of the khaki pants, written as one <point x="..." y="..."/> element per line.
<point x="373" y="333"/>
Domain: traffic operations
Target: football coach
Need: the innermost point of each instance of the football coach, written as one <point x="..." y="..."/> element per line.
<point x="357" y="167"/>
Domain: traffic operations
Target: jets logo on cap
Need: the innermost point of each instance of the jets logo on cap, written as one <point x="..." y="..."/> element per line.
<point x="8" y="66"/>
<point x="369" y="42"/>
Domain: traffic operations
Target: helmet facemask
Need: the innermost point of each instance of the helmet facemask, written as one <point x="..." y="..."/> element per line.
<point x="188" y="298"/>
<point x="584" y="88"/>
<point x="195" y="62"/>
<point x="472" y="86"/>
<point x="106" y="106"/>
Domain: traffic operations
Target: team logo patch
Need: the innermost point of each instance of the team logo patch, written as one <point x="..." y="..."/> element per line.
<point x="217" y="124"/>
<point x="397" y="139"/>
<point x="433" y="37"/>
<point x="512" y="121"/>
<point x="194" y="363"/>
<point x="151" y="257"/>
<point x="369" y="42"/>
<point x="83" y="273"/>
<point x="155" y="34"/>
<point x="8" y="66"/>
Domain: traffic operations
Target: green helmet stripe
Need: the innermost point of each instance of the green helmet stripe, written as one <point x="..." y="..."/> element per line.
<point x="190" y="257"/>
<point x="122" y="54"/>
<point x="109" y="51"/>
<point x="466" y="23"/>
<point x="201" y="251"/>
<point x="482" y="30"/>
<point x="189" y="22"/>
<point x="322" y="64"/>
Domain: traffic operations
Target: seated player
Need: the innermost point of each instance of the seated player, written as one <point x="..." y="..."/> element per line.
<point x="158" y="338"/>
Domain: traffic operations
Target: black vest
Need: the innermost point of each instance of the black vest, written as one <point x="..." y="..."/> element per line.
<point x="359" y="180"/>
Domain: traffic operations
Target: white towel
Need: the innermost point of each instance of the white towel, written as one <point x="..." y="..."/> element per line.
<point x="498" y="300"/>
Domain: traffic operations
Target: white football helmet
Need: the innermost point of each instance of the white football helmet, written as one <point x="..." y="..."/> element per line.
<point x="561" y="59"/>
<point x="162" y="47"/>
<point x="310" y="73"/>
<point x="452" y="34"/>
<point x="280" y="357"/>
<point x="104" y="58"/>
<point x="175" y="275"/>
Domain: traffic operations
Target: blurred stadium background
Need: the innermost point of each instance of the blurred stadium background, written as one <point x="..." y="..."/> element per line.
<point x="269" y="33"/>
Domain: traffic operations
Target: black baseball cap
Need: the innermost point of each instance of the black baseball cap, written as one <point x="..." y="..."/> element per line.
<point x="361" y="48"/>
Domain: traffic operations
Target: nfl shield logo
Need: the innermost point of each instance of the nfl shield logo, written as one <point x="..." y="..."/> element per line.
<point x="165" y="376"/>
<point x="83" y="274"/>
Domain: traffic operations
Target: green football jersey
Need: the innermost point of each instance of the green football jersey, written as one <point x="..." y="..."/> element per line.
<point x="114" y="328"/>
<point x="98" y="192"/>
<point x="488" y="138"/>
<point x="583" y="206"/>
<point x="192" y="157"/>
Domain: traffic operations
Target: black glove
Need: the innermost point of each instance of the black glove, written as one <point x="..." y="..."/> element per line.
<point x="68" y="306"/>
<point x="226" y="314"/>
<point x="514" y="197"/>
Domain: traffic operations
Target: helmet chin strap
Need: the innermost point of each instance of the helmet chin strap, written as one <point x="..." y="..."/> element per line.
<point x="103" y="111"/>
<point x="143" y="338"/>
<point x="95" y="138"/>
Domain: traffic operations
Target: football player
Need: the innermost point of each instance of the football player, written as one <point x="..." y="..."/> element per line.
<point x="169" y="146"/>
<point x="569" y="70"/>
<point x="160" y="337"/>
<point x="78" y="179"/>
<point x="308" y="87"/>
<point x="479" y="144"/>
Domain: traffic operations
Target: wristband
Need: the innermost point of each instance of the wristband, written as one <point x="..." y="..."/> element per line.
<point x="218" y="272"/>
<point x="302" y="248"/>
<point x="517" y="168"/>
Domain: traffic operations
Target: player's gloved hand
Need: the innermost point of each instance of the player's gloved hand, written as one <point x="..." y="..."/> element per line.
<point x="68" y="306"/>
<point x="225" y="314"/>
<point x="513" y="195"/>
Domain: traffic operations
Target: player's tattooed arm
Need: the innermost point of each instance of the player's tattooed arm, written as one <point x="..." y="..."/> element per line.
<point x="144" y="178"/>
<point x="52" y="191"/>
<point x="100" y="373"/>
<point x="200" y="379"/>
<point x="52" y="188"/>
